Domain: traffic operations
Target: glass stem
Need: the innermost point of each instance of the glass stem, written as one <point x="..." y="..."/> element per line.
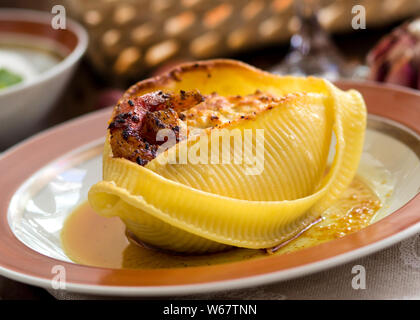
<point x="310" y="36"/>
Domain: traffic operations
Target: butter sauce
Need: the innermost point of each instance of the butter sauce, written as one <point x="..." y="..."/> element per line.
<point x="91" y="239"/>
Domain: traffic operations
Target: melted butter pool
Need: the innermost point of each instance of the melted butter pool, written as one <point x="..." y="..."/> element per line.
<point x="91" y="239"/>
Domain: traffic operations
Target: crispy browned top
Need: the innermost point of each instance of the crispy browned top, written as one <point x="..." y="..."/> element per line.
<point x="137" y="120"/>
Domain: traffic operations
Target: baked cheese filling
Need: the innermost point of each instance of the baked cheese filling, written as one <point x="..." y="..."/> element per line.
<point x="137" y="121"/>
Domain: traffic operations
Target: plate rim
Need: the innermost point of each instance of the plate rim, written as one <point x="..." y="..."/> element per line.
<point x="94" y="124"/>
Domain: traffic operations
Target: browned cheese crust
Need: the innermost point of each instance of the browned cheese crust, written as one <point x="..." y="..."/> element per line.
<point x="137" y="120"/>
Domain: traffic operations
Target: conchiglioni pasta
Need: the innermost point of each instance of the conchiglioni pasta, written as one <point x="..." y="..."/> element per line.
<point x="207" y="207"/>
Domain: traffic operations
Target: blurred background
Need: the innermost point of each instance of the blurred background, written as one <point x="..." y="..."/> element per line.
<point x="133" y="39"/>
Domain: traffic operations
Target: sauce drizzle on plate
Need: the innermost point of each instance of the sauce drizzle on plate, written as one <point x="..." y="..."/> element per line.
<point x="91" y="239"/>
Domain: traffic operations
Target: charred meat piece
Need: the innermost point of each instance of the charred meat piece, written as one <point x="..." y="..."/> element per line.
<point x="133" y="147"/>
<point x="154" y="121"/>
<point x="137" y="120"/>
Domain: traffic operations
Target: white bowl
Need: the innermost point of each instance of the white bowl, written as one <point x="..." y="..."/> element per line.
<point x="23" y="105"/>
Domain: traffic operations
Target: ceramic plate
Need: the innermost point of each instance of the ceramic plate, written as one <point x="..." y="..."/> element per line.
<point x="44" y="178"/>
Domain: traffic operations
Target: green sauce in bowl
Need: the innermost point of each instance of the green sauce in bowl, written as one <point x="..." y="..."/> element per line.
<point x="21" y="62"/>
<point x="8" y="78"/>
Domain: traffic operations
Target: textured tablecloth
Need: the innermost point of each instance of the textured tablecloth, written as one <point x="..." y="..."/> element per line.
<point x="393" y="273"/>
